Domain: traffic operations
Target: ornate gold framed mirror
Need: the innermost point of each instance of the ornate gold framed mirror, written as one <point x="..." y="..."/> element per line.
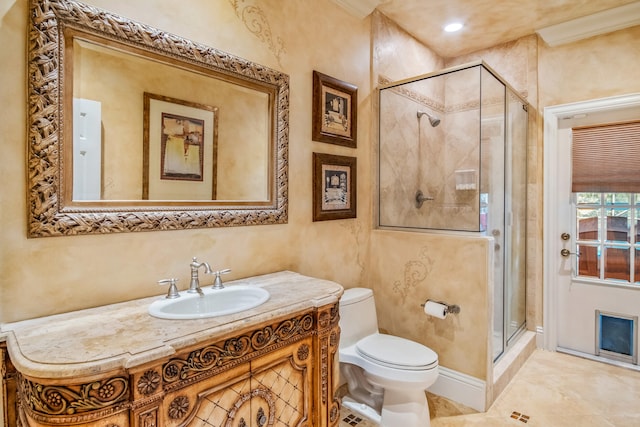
<point x="134" y="129"/>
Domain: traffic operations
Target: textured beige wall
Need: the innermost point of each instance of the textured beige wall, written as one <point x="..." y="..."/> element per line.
<point x="407" y="268"/>
<point x="397" y="55"/>
<point x="52" y="275"/>
<point x="594" y="68"/>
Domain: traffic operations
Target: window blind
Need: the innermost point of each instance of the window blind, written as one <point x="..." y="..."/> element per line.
<point x="606" y="158"/>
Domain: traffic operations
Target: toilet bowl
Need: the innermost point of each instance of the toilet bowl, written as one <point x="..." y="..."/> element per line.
<point x="386" y="373"/>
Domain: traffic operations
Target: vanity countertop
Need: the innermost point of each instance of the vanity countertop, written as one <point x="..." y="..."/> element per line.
<point x="125" y="335"/>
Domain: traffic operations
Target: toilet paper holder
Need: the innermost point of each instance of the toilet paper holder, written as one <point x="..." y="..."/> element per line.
<point x="451" y="308"/>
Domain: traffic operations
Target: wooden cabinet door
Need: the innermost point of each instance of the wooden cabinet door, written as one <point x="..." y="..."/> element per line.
<point x="281" y="384"/>
<point x="273" y="390"/>
<point x="223" y="400"/>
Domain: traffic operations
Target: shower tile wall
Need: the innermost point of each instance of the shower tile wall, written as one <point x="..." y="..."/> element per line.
<point x="416" y="156"/>
<point x="410" y="160"/>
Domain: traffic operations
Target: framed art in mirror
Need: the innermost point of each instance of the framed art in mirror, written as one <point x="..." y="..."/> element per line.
<point x="334" y="187"/>
<point x="180" y="149"/>
<point x="334" y="116"/>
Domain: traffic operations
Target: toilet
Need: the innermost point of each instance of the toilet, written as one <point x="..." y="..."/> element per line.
<point x="386" y="375"/>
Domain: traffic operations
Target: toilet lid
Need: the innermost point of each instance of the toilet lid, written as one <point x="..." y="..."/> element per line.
<point x="396" y="352"/>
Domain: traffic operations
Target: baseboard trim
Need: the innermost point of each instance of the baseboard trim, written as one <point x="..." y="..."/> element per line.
<point x="540" y="337"/>
<point x="461" y="388"/>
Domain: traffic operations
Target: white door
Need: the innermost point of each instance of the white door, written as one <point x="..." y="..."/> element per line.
<point x="577" y="296"/>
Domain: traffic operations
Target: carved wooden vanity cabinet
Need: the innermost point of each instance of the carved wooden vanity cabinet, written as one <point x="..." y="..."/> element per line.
<point x="274" y="366"/>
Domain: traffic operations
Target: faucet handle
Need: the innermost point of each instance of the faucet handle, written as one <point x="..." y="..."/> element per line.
<point x="217" y="283"/>
<point x="173" y="289"/>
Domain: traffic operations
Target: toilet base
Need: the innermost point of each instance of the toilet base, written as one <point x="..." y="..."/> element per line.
<point x="406" y="408"/>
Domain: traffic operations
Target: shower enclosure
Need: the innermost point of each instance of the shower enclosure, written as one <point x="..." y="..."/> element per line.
<point x="452" y="156"/>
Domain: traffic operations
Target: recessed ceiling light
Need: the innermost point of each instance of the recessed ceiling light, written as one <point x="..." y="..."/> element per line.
<point x="453" y="27"/>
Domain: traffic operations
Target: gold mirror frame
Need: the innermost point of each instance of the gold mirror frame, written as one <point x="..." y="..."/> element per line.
<point x="48" y="214"/>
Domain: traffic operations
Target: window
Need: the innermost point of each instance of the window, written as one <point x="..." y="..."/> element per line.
<point x="608" y="230"/>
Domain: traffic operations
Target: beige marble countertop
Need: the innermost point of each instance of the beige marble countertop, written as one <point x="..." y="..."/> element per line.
<point x="125" y="335"/>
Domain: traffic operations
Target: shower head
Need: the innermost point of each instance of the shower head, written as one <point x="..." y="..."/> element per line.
<point x="435" y="121"/>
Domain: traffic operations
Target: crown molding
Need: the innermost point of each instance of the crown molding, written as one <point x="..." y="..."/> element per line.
<point x="359" y="8"/>
<point x="592" y="25"/>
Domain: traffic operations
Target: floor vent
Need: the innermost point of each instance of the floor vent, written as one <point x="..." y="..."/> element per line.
<point x="352" y="420"/>
<point x="520" y="417"/>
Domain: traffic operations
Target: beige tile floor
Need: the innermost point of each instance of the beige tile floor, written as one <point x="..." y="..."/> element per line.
<point x="552" y="390"/>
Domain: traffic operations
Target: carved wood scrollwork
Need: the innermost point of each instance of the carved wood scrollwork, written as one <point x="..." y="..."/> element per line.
<point x="328" y="343"/>
<point x="179" y="407"/>
<point x="76" y="399"/>
<point x="262" y="418"/>
<point x="303" y="352"/>
<point x="334" y="412"/>
<point x="324" y="363"/>
<point x="148" y="418"/>
<point x="329" y="317"/>
<point x="235" y="349"/>
<point x="148" y="382"/>
<point x="324" y="319"/>
<point x="335" y="314"/>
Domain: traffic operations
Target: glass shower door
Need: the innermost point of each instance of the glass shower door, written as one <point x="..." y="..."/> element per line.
<point x="492" y="185"/>
<point x="516" y="204"/>
<point x="504" y="149"/>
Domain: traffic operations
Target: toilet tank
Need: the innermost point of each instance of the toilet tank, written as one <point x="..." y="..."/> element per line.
<point x="357" y="315"/>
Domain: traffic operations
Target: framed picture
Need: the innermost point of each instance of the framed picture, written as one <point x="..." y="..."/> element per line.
<point x="334" y="187"/>
<point x="334" y="111"/>
<point x="180" y="149"/>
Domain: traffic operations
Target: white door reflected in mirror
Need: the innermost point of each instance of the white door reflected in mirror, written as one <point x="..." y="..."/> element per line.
<point x="87" y="149"/>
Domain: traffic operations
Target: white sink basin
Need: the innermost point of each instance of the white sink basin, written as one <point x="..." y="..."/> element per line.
<point x="214" y="302"/>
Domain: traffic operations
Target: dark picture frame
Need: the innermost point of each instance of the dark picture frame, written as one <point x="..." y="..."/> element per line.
<point x="334" y="187"/>
<point x="179" y="148"/>
<point x="334" y="116"/>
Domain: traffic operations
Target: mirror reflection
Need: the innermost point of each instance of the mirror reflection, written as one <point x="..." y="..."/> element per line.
<point x="149" y="130"/>
<point x="135" y="129"/>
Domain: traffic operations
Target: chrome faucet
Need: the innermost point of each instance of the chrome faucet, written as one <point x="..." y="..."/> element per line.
<point x="194" y="285"/>
<point x="217" y="283"/>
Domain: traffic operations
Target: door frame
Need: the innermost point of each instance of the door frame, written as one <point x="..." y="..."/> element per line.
<point x="551" y="230"/>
